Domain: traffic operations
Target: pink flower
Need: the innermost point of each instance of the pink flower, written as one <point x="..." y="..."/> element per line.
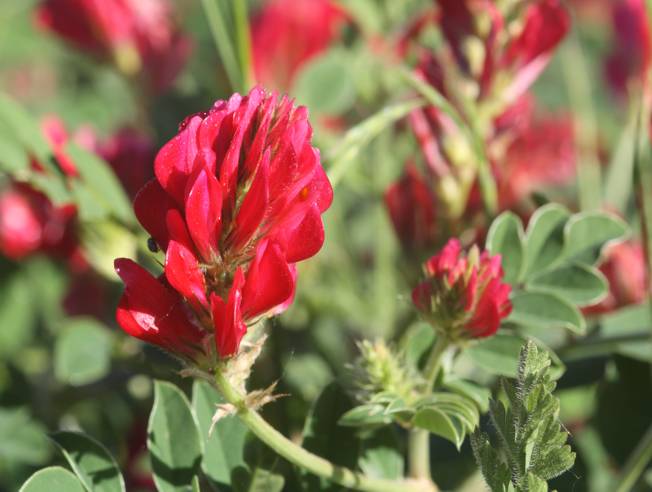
<point x="288" y="33"/>
<point x="463" y="295"/>
<point x="412" y="208"/>
<point x="236" y="202"/>
<point x="137" y="35"/>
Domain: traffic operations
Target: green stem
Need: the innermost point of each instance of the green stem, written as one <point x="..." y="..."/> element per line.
<point x="299" y="456"/>
<point x="636" y="463"/>
<point x="419" y="439"/>
<point x="243" y="42"/>
<point x="223" y="41"/>
<point x="581" y="100"/>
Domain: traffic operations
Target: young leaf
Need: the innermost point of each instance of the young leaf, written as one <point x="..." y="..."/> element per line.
<point x="587" y="233"/>
<point x="544" y="310"/>
<point x="527" y="446"/>
<point x="580" y="284"/>
<point x="91" y="462"/>
<point x="173" y="439"/>
<point x="52" y="479"/>
<point x="224" y="448"/>
<point x="505" y="238"/>
<point x="544" y="238"/>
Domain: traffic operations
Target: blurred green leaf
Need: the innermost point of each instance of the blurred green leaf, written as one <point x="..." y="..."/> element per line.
<point x="505" y="238"/>
<point x="224" y="448"/>
<point x="13" y="157"/>
<point x="325" y="85"/>
<point x="497" y="355"/>
<point x="17" y="314"/>
<point x="364" y="415"/>
<point x="82" y="353"/>
<point x="91" y="462"/>
<point x="258" y="475"/>
<point x="544" y="310"/>
<point x="360" y="135"/>
<point x="544" y="238"/>
<point x="323" y="436"/>
<point x="580" y="284"/>
<point x="52" y="479"/>
<point x="100" y="187"/>
<point x="22" y="440"/>
<point x="619" y="180"/>
<point x="307" y="373"/>
<point x="173" y="441"/>
<point x="587" y="233"/>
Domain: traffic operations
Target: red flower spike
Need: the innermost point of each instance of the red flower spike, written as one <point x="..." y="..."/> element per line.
<point x="463" y="296"/>
<point x="237" y="200"/>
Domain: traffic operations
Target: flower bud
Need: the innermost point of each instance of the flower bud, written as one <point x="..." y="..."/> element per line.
<point x="463" y="295"/>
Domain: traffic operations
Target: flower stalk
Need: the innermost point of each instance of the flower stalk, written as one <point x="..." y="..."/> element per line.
<point x="299" y="456"/>
<point x="419" y="439"/>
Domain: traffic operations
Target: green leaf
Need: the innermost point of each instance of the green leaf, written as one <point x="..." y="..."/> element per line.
<point x="544" y="239"/>
<point x="173" y="441"/>
<point x="22" y="127"/>
<point x="587" y="233"/>
<point x="82" y="353"/>
<point x="91" y="462"/>
<point x="224" y="448"/>
<point x="13" y="157"/>
<point x="52" y="479"/>
<point x="437" y="422"/>
<point x="478" y="394"/>
<point x="360" y="135"/>
<point x="368" y="414"/>
<point x="381" y="456"/>
<point x="580" y="284"/>
<point x="258" y="475"/>
<point x="544" y="310"/>
<point x="325" y="85"/>
<point x="101" y="187"/>
<point x="22" y="440"/>
<point x="17" y="315"/>
<point x="323" y="436"/>
<point x="505" y="238"/>
<point x="497" y="355"/>
<point x="307" y="374"/>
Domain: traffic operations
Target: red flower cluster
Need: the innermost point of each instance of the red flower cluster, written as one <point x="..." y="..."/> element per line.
<point x="288" y="33"/>
<point x="137" y="35"/>
<point x="463" y="296"/>
<point x="236" y="202"/>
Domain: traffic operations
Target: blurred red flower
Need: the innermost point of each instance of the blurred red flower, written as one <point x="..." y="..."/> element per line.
<point x="630" y="58"/>
<point x="411" y="203"/>
<point x="236" y="202"/>
<point x="139" y="36"/>
<point x="541" y="154"/>
<point x="288" y="33"/>
<point x="463" y="295"/>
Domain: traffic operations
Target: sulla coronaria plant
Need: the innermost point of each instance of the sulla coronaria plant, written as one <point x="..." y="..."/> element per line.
<point x="373" y="263"/>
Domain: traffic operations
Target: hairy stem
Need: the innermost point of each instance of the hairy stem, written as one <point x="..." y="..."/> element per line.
<point x="419" y="439"/>
<point x="299" y="456"/>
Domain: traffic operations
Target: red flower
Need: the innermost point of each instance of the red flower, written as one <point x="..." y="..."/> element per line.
<point x="236" y="202"/>
<point x="412" y="208"/>
<point x="625" y="268"/>
<point x="288" y="33"/>
<point x="541" y="154"/>
<point x="463" y="295"/>
<point x="136" y="34"/>
<point x="630" y="59"/>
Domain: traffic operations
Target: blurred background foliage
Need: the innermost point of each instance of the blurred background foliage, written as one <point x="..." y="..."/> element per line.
<point x="64" y="364"/>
